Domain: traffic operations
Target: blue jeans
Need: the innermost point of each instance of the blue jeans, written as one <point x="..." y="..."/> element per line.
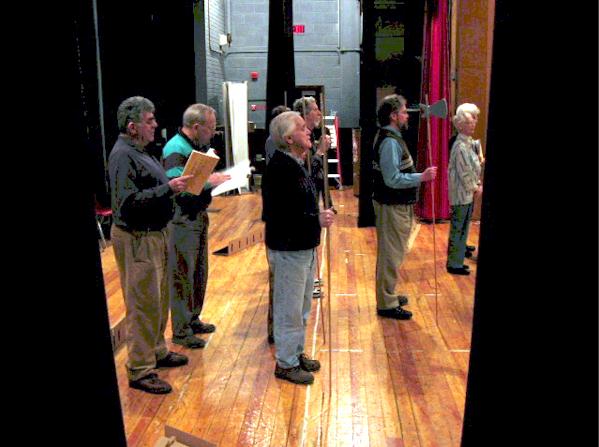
<point x="458" y="234"/>
<point x="293" y="273"/>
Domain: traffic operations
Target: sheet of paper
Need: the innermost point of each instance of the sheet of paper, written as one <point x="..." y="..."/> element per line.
<point x="239" y="176"/>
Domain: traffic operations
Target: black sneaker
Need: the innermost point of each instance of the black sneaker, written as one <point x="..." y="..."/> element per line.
<point x="151" y="384"/>
<point x="316" y="292"/>
<point x="172" y="360"/>
<point x="271" y="339"/>
<point x="294" y="375"/>
<point x="458" y="270"/>
<point x="199" y="327"/>
<point x="403" y="300"/>
<point x="308" y="364"/>
<point x="470" y="248"/>
<point x="190" y="342"/>
<point x="396" y="312"/>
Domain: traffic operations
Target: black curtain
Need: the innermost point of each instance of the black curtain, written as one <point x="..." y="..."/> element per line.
<point x="280" y="81"/>
<point x="147" y="49"/>
<point x="532" y="376"/>
<point x="368" y="121"/>
<point x="69" y="388"/>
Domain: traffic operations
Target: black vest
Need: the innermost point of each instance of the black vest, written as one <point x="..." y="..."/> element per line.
<point x="381" y="192"/>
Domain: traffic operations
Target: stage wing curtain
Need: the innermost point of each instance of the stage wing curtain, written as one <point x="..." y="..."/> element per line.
<point x="435" y="83"/>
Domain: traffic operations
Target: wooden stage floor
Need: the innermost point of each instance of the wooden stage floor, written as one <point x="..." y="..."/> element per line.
<point x="392" y="383"/>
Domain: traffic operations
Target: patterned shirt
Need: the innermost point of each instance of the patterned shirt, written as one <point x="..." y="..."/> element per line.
<point x="464" y="171"/>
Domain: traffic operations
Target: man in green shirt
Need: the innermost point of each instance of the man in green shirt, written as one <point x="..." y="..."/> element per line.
<point x="188" y="230"/>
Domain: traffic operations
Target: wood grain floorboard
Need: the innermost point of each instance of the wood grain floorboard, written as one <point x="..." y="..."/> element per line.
<point x="393" y="383"/>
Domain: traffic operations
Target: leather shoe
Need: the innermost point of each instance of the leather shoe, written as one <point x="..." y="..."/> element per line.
<point x="271" y="339"/>
<point x="458" y="270"/>
<point x="199" y="327"/>
<point x="294" y="375"/>
<point x="151" y="384"/>
<point x="468" y="254"/>
<point x="190" y="342"/>
<point x="396" y="312"/>
<point x="470" y="247"/>
<point x="308" y="364"/>
<point x="402" y="299"/>
<point x="172" y="360"/>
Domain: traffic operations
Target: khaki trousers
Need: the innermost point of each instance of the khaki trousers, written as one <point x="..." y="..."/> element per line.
<point x="394" y="224"/>
<point x="141" y="260"/>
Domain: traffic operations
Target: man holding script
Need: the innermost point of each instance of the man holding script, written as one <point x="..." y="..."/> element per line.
<point x="188" y="230"/>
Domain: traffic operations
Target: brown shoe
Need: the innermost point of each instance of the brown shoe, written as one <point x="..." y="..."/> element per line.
<point x="308" y="364"/>
<point x="151" y="384"/>
<point x="172" y="360"/>
<point x="294" y="375"/>
<point x="199" y="327"/>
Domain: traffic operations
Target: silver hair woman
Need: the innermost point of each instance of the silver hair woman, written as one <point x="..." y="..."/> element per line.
<point x="464" y="183"/>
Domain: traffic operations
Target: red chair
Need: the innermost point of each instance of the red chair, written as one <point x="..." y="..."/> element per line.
<point x="103" y="215"/>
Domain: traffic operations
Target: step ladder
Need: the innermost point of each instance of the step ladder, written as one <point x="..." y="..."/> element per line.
<point x="332" y="124"/>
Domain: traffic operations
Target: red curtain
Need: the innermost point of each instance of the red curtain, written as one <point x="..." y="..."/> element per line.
<point x="435" y="83"/>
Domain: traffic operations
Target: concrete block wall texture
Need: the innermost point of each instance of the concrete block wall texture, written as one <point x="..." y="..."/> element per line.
<point x="215" y="70"/>
<point x="326" y="54"/>
<point x="209" y="24"/>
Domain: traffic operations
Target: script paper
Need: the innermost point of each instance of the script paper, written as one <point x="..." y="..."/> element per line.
<point x="199" y="165"/>
<point x="239" y="176"/>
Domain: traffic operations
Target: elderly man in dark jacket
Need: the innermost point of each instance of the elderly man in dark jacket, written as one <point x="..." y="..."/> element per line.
<point x="292" y="232"/>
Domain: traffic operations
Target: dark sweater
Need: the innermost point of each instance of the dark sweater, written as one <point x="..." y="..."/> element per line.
<point x="141" y="197"/>
<point x="289" y="205"/>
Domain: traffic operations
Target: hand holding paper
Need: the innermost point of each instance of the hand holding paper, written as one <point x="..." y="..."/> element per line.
<point x="218" y="178"/>
<point x="238" y="178"/>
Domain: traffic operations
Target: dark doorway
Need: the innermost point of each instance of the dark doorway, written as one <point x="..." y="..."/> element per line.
<point x="391" y="63"/>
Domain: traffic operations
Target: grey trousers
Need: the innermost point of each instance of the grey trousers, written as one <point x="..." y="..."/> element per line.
<point x="293" y="273"/>
<point x="461" y="215"/>
<point x="271" y="283"/>
<point x="141" y="260"/>
<point x="394" y="224"/>
<point x="187" y="270"/>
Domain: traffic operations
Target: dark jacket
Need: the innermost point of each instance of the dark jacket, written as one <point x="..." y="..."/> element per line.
<point x="141" y="197"/>
<point x="289" y="205"/>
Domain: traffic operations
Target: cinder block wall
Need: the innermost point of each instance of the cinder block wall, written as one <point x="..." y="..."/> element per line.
<point x="323" y="55"/>
<point x="209" y="24"/>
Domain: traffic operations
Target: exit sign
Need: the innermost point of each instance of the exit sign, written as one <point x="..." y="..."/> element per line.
<point x="299" y="29"/>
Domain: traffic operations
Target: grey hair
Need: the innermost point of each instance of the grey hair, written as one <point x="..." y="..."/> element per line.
<point x="465" y="112"/>
<point x="301" y="105"/>
<point x="132" y="110"/>
<point x="197" y="113"/>
<point x="281" y="127"/>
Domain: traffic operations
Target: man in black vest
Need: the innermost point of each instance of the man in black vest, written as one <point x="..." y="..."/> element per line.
<point x="395" y="191"/>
